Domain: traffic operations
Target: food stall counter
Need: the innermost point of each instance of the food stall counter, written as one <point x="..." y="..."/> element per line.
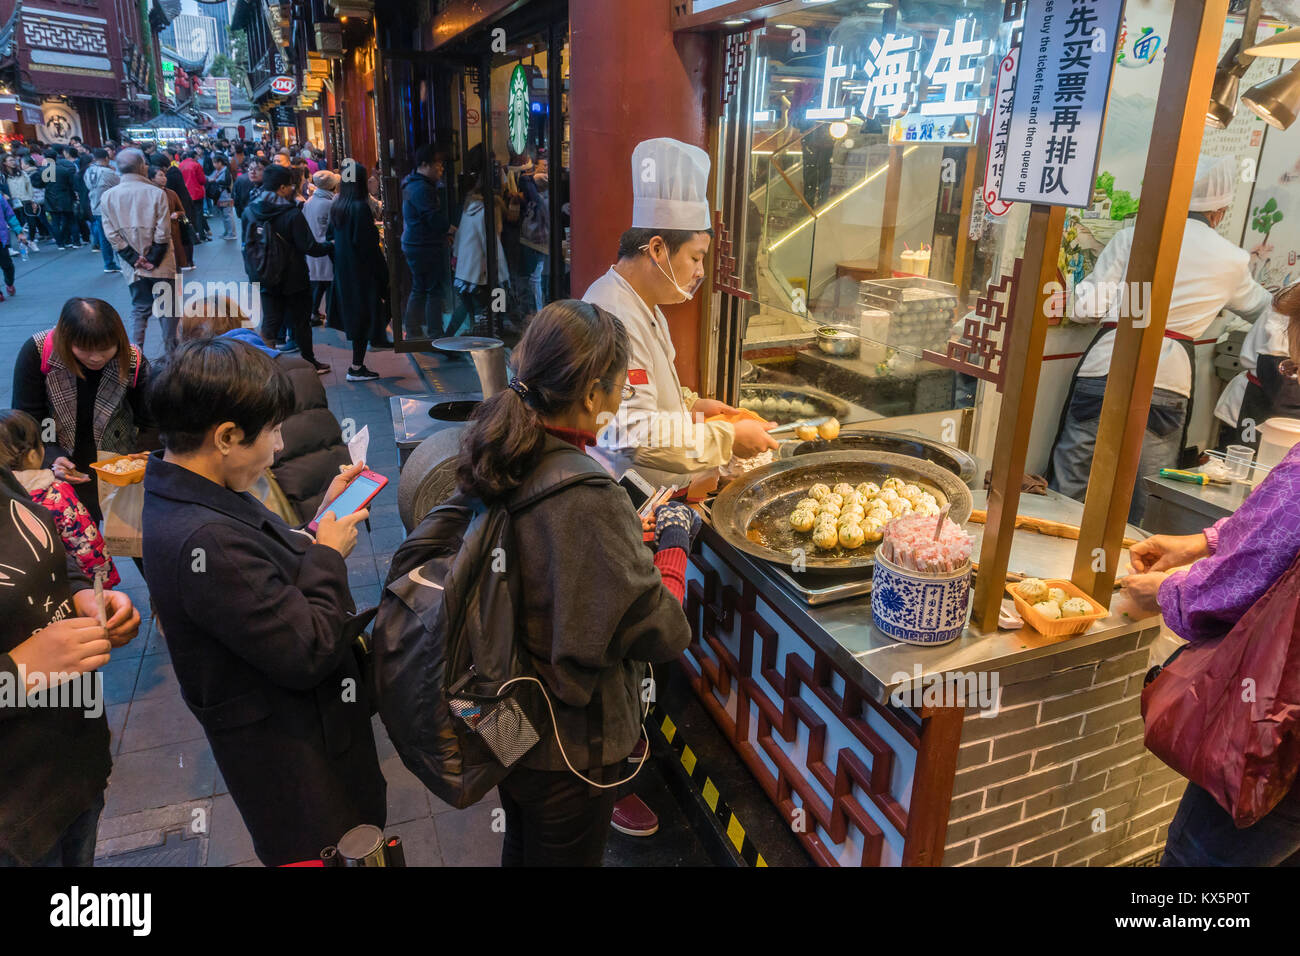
<point x="1177" y="507"/>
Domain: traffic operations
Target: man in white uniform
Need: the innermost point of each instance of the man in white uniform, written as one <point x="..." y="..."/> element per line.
<point x="1261" y="390"/>
<point x="661" y="430"/>
<point x="1212" y="275"/>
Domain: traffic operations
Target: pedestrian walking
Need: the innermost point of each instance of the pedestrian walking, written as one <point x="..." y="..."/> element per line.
<point x="58" y="176"/>
<point x="137" y="223"/>
<point x="101" y="176"/>
<point x="426" y="228"/>
<point x="358" y="306"/>
<point x="38" y="222"/>
<point x="277" y="242"/>
<point x="8" y="225"/>
<point x="219" y="187"/>
<point x="320" y="269"/>
<point x="195" y="187"/>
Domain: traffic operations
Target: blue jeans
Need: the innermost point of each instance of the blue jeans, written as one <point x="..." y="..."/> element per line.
<point x="105" y="249"/>
<point x="1203" y="834"/>
<point x="430" y="283"/>
<point x="1072" y="457"/>
<point x="533" y="265"/>
<point x="76" y="847"/>
<point x="65" y="229"/>
<point x="227" y="214"/>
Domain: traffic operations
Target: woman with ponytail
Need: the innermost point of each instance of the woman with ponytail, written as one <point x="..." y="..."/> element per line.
<point x="597" y="603"/>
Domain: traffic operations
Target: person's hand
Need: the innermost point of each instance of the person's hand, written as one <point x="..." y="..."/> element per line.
<point x="752" y="438"/>
<point x="676" y="525"/>
<point x="75" y="645"/>
<point x="342" y="480"/>
<point x="340" y="533"/>
<point x="176" y="215"/>
<point x="1142" y="590"/>
<point x="65" y="470"/>
<point x="1164" y="552"/>
<point x="123" y="619"/>
<point x="708" y="407"/>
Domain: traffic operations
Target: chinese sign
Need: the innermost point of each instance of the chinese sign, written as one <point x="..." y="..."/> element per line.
<point x="222" y="86"/>
<point x="919" y="128"/>
<point x="894" y="74"/>
<point x="517" y="110"/>
<point x="1002" y="100"/>
<point x="1059" y="103"/>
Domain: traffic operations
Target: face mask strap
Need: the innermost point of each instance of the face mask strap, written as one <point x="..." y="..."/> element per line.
<point x="687" y="296"/>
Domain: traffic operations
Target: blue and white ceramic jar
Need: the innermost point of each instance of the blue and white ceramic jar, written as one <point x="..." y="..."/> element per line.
<point x="918" y="608"/>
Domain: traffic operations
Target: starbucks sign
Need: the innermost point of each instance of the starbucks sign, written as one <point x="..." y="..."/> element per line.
<point x="517" y="109"/>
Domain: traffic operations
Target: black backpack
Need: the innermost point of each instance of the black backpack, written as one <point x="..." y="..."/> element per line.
<point x="444" y="640"/>
<point x="266" y="252"/>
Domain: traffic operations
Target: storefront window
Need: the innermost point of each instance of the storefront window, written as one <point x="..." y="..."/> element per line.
<point x="853" y="148"/>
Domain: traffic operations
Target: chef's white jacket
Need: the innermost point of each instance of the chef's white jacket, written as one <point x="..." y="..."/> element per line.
<point x="655" y="430"/>
<point x="1212" y="275"/>
<point x="1268" y="337"/>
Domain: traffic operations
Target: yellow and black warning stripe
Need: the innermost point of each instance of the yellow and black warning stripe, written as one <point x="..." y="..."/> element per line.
<point x="727" y="820"/>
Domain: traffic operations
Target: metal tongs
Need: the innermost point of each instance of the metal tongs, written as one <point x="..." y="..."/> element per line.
<point x="814" y="422"/>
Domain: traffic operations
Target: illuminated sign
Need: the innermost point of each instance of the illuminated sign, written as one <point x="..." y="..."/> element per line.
<point x="952" y="77"/>
<point x="517" y="109"/>
<point x="283" y="86"/>
<point x="919" y="128"/>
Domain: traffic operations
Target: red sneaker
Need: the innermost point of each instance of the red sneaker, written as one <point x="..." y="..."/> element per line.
<point x="638" y="752"/>
<point x="9" y="290"/>
<point x="633" y="817"/>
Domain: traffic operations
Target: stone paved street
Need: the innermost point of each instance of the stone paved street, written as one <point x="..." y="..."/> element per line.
<point x="163" y="768"/>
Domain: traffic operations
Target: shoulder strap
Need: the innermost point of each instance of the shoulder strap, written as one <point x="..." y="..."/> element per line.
<point x="559" y="469"/>
<point x="47" y="349"/>
<point x="135" y="360"/>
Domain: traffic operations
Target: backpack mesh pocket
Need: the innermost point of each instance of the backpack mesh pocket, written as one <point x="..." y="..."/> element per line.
<point x="502" y="725"/>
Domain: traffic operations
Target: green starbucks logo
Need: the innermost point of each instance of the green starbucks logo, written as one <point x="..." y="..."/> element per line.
<point x="517" y="109"/>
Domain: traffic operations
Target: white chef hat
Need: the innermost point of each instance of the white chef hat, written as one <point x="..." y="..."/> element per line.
<point x="1216" y="183"/>
<point x="670" y="186"/>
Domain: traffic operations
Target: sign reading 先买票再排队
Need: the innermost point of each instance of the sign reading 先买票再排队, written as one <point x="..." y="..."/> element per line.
<point x="1066" y="57"/>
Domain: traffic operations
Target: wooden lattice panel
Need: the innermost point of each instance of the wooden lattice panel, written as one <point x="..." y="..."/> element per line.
<point x="764" y="718"/>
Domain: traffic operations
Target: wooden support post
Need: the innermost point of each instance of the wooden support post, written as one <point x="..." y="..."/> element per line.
<point x="936" y="768"/>
<point x="1023" y="358"/>
<point x="889" y="218"/>
<point x="1179" y="122"/>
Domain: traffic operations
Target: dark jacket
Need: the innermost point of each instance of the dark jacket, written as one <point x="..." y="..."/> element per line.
<point x="254" y="612"/>
<point x="313" y="441"/>
<point x="54" y="761"/>
<point x="357" y="306"/>
<point x="594" y="608"/>
<point x="176" y="183"/>
<point x="79" y="184"/>
<point x="425" y="221"/>
<point x="288" y="221"/>
<point x="60" y="188"/>
<point x="244" y="193"/>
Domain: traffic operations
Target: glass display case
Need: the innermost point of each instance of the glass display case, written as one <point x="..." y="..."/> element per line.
<point x="851" y="236"/>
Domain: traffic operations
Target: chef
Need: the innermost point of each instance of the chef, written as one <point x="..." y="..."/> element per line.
<point x="1213" y="274"/>
<point x="1263" y="389"/>
<point x="661" y="431"/>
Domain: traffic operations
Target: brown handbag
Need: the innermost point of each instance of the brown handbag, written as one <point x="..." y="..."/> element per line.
<point x="1226" y="714"/>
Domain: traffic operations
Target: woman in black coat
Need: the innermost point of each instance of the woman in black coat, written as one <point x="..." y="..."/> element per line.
<point x="358" y="297"/>
<point x="257" y="614"/>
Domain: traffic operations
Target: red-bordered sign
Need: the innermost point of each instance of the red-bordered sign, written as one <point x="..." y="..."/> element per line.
<point x="283" y="86"/>
<point x="1001" y="121"/>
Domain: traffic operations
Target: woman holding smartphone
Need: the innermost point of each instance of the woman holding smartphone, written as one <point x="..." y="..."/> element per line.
<point x="257" y="613"/>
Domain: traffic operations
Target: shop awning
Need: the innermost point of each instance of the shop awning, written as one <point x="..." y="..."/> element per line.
<point x="9" y="109"/>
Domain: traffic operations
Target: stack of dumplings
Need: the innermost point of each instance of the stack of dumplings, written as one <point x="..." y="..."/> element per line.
<point x="848" y="516"/>
<point x="1052" y="603"/>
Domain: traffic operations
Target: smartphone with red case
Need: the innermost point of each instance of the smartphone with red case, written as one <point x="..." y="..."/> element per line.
<point x="357" y="495"/>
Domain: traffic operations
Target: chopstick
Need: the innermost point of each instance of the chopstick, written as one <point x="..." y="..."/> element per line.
<point x="655" y="500"/>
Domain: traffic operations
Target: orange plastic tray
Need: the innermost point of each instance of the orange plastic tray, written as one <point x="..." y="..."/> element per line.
<point x="1063" y="626"/>
<point x="128" y="479"/>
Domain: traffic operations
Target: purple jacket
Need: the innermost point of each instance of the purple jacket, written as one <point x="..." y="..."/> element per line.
<point x="1249" y="550"/>
<point x="6" y="213"/>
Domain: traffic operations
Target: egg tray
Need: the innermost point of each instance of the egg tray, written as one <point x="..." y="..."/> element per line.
<point x="1062" y="627"/>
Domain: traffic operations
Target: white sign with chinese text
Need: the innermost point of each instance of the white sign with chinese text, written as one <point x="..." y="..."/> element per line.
<point x="1001" y="120"/>
<point x="1059" y="104"/>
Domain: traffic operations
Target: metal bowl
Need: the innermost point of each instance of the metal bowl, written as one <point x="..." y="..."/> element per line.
<point x="857" y="439"/>
<point x="753" y="512"/>
<point x="837" y="341"/>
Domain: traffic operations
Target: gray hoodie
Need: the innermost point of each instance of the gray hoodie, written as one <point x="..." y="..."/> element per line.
<point x="98" y="179"/>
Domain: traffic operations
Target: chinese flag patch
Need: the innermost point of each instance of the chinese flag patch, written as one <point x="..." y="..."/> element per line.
<point x="637" y="376"/>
